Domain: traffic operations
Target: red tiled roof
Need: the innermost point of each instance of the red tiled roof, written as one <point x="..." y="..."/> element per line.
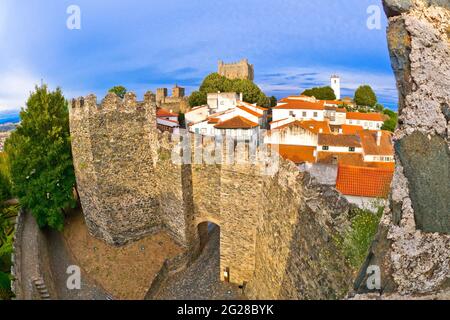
<point x="250" y="111"/>
<point x="364" y="182"/>
<point x="365" y="116"/>
<point x="339" y="140"/>
<point x="278" y="121"/>
<point x="343" y="158"/>
<point x="336" y="102"/>
<point x="349" y="129"/>
<point x="237" y="122"/>
<point x="297" y="154"/>
<point x="165" y="113"/>
<point x="213" y="120"/>
<point x="310" y="125"/>
<point x="369" y="143"/>
<point x="301" y="105"/>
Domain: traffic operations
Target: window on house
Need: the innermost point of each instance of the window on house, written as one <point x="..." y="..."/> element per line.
<point x="203" y="131"/>
<point x="350" y="121"/>
<point x="197" y="130"/>
<point x="316" y="114"/>
<point x="325" y="148"/>
<point x="351" y="149"/>
<point x="291" y="113"/>
<point x="304" y="114"/>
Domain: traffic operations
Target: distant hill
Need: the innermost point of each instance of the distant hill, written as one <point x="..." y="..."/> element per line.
<point x="10" y="116"/>
<point x="5" y="127"/>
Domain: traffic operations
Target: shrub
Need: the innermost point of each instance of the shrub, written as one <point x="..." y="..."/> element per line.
<point x="357" y="241"/>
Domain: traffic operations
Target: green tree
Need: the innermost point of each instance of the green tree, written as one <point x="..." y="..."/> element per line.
<point x="321" y="93"/>
<point x="365" y="96"/>
<point x="391" y="123"/>
<point x="216" y="83"/>
<point x="197" y="98"/>
<point x="5" y="180"/>
<point x="273" y="101"/>
<point x="5" y="187"/>
<point x="120" y="91"/>
<point x="182" y="120"/>
<point x="41" y="160"/>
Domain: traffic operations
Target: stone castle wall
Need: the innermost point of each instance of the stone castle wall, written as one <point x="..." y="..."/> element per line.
<point x="114" y="146"/>
<point x="412" y="247"/>
<point x="130" y="187"/>
<point x="238" y="70"/>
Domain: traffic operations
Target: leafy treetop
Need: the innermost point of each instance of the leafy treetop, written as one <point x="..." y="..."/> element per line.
<point x="321" y="93"/>
<point x="120" y="91"/>
<point x="365" y="96"/>
<point x="41" y="160"/>
<point x="214" y="83"/>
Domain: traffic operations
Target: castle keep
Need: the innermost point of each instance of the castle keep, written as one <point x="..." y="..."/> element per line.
<point x="238" y="70"/>
<point x="129" y="188"/>
<point x="177" y="102"/>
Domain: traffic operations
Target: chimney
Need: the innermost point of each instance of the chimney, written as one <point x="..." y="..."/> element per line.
<point x="320" y="130"/>
<point x="378" y="138"/>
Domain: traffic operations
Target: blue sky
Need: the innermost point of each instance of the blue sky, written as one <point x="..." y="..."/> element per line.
<point x="148" y="44"/>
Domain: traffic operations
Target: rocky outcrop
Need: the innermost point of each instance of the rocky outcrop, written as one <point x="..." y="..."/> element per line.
<point x="413" y="244"/>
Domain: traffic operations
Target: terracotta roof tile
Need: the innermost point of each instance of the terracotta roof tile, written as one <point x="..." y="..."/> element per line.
<point x="164" y="113"/>
<point x="237" y="122"/>
<point x="369" y="143"/>
<point x="365" y="116"/>
<point x="339" y="140"/>
<point x="344" y="158"/>
<point x="297" y="154"/>
<point x="250" y="111"/>
<point x="299" y="104"/>
<point x="310" y="125"/>
<point x="364" y="182"/>
<point x="349" y="129"/>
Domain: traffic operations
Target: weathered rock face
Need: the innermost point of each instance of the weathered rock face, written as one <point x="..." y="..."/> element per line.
<point x="413" y="244"/>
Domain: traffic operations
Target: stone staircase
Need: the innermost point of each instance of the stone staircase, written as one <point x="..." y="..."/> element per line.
<point x="41" y="288"/>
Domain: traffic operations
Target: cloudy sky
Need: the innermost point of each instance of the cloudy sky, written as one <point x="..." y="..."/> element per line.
<point x="294" y="44"/>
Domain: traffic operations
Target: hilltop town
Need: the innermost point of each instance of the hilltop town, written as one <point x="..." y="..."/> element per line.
<point x="340" y="147"/>
<point x="227" y="193"/>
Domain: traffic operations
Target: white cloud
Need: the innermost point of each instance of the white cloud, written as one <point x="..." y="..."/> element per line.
<point x="15" y="87"/>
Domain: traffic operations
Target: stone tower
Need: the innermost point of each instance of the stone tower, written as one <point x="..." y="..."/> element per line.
<point x="161" y="95"/>
<point x="178" y="92"/>
<point x="115" y="151"/>
<point x="238" y="70"/>
<point x="336" y="86"/>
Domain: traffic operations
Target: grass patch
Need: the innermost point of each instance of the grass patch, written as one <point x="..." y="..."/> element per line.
<point x="357" y="241"/>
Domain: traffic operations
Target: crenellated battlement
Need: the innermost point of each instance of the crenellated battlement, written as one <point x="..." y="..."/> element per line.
<point x="112" y="102"/>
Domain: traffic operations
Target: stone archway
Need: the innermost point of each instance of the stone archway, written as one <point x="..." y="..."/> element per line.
<point x="204" y="231"/>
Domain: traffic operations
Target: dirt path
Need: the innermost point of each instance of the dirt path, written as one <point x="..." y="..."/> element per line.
<point x="60" y="260"/>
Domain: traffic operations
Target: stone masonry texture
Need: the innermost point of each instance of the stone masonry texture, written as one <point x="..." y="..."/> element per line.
<point x="413" y="242"/>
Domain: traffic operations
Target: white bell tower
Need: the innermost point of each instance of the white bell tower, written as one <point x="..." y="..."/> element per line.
<point x="336" y="86"/>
